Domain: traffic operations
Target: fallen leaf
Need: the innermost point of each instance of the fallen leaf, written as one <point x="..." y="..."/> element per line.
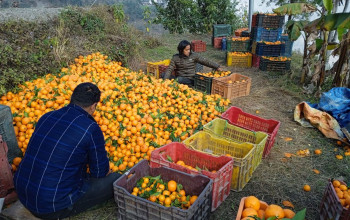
<point x="335" y="149"/>
<point x="316" y="171"/>
<point x="288" y="139"/>
<point x="288" y="204"/>
<point x="288" y="155"/>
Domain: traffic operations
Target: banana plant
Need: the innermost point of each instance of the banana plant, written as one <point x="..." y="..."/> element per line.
<point x="313" y="31"/>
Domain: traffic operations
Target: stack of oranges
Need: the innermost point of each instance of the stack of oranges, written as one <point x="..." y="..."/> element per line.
<point x="215" y="74"/>
<point x="137" y="113"/>
<point x="276" y="58"/>
<point x="240" y="38"/>
<point x="254" y="208"/>
<point x="164" y="193"/>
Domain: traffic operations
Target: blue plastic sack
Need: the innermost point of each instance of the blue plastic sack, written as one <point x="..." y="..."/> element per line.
<point x="336" y="102"/>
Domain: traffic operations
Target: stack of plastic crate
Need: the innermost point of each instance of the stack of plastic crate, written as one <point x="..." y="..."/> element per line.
<point x="220" y="31"/>
<point x="238" y="52"/>
<point x="266" y="36"/>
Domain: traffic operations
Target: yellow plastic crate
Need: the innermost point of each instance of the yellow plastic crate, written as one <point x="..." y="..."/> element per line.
<point x="153" y="67"/>
<point x="242" y="154"/>
<point x="239" y="61"/>
<point x="223" y="129"/>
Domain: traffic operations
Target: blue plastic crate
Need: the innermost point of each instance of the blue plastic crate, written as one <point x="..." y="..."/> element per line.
<point x="288" y="46"/>
<point x="263" y="34"/>
<point x="263" y="49"/>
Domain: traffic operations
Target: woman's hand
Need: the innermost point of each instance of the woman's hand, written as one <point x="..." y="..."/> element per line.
<point x="219" y="69"/>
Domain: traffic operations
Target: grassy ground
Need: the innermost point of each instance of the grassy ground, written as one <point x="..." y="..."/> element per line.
<point x="277" y="178"/>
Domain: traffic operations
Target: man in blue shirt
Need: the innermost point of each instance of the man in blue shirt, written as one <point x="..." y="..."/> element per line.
<point x="51" y="180"/>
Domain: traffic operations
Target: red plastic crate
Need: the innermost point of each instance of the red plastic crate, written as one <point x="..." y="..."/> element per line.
<point x="238" y="117"/>
<point x="222" y="164"/>
<point x="255" y="60"/>
<point x="217" y="42"/>
<point x="134" y="207"/>
<point x="331" y="207"/>
<point x="199" y="46"/>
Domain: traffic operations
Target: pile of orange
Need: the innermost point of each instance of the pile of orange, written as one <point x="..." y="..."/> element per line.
<point x="271" y="43"/>
<point x="240" y="38"/>
<point x="164" y="193"/>
<point x="182" y="163"/>
<point x="276" y="58"/>
<point x="215" y="74"/>
<point x="254" y="207"/>
<point x="137" y="113"/>
<point x="240" y="54"/>
<point x="342" y="192"/>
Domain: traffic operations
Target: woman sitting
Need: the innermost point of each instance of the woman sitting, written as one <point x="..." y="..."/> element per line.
<point x="184" y="64"/>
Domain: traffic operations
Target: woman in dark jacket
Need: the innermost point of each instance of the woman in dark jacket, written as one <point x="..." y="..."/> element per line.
<point x="184" y="64"/>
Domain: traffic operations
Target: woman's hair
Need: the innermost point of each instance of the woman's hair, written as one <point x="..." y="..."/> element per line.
<point x="182" y="46"/>
<point x="85" y="95"/>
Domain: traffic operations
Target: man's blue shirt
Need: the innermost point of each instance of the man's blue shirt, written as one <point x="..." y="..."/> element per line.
<point x="51" y="175"/>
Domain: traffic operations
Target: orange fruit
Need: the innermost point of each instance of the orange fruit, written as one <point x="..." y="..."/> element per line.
<point x="172" y="185"/>
<point x="343" y="187"/>
<point x="193" y="199"/>
<point x="16" y="161"/>
<point x="318" y="151"/>
<point x="288" y="213"/>
<point x="252" y="202"/>
<point x="248" y="218"/>
<point x="249" y="212"/>
<point x="307" y="188"/>
<point x="336" y="183"/>
<point x="261" y="214"/>
<point x="274" y="210"/>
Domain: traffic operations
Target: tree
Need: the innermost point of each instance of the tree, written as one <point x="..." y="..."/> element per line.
<point x="196" y="16"/>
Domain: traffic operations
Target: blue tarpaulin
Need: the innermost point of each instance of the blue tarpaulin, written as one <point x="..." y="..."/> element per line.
<point x="336" y="102"/>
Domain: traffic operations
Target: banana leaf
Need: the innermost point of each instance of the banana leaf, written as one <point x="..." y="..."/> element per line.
<point x="295" y="9"/>
<point x="295" y="28"/>
<point x="330" y="22"/>
<point x="328" y="4"/>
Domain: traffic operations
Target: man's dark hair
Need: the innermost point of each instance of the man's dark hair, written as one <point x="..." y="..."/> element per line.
<point x="182" y="46"/>
<point x="85" y="95"/>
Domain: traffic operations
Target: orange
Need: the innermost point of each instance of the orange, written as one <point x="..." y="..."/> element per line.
<point x="248" y="218"/>
<point x="318" y="151"/>
<point x="167" y="201"/>
<point x="252" y="202"/>
<point x="249" y="212"/>
<point x="307" y="188"/>
<point x="172" y="185"/>
<point x="343" y="187"/>
<point x="288" y="213"/>
<point x="16" y="161"/>
<point x="336" y="183"/>
<point x="261" y="214"/>
<point x="274" y="210"/>
<point x="193" y="199"/>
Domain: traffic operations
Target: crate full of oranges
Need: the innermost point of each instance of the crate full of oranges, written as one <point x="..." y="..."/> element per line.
<point x="251" y="208"/>
<point x="239" y="59"/>
<point x="274" y="63"/>
<point x="238" y="44"/>
<point x="203" y="81"/>
<point x="336" y="201"/>
<point x="218" y="168"/>
<point x="155" y="193"/>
